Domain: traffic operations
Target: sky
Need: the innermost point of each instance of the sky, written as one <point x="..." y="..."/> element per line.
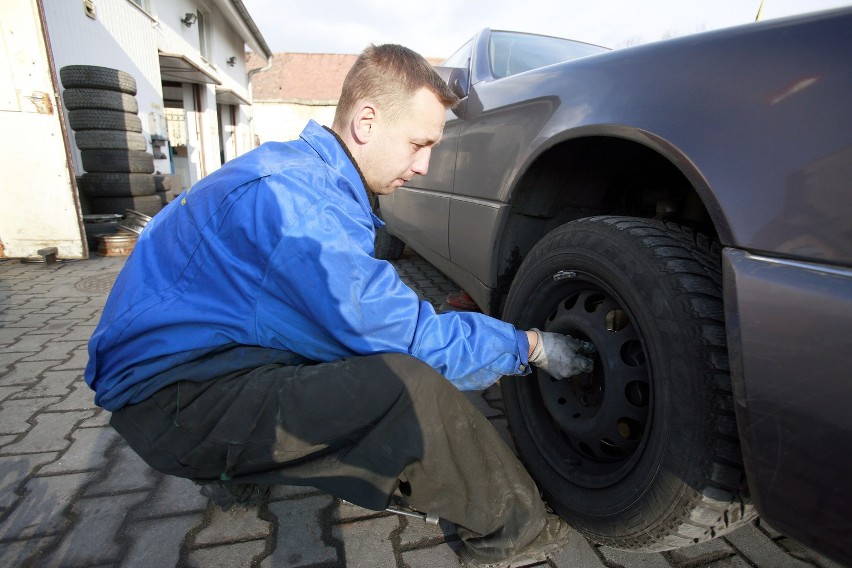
<point x="436" y="28"/>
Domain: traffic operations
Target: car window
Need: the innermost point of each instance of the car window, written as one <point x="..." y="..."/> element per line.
<point x="511" y="53"/>
<point x="460" y="58"/>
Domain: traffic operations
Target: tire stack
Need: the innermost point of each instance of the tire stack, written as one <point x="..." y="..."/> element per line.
<point x="103" y="112"/>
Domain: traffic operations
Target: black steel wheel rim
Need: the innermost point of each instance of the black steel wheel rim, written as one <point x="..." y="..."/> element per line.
<point x="591" y="428"/>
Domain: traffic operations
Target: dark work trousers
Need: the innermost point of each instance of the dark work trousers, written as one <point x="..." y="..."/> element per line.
<point x="353" y="428"/>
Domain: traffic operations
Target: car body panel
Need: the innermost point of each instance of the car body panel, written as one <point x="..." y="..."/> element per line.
<point x="792" y="371"/>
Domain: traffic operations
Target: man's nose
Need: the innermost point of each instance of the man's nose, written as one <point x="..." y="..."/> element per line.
<point x="421" y="161"/>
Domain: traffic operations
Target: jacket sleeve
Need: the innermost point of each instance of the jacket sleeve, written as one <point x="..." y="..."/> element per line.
<point x="326" y="297"/>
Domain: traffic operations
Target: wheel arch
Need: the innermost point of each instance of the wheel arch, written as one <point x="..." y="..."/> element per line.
<point x="608" y="170"/>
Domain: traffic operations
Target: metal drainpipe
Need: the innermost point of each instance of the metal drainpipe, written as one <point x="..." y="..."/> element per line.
<point x="251" y="75"/>
<point x="240" y="7"/>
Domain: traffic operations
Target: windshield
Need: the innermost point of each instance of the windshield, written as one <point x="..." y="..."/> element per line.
<point x="511" y="53"/>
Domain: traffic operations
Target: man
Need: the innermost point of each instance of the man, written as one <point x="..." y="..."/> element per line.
<point x="253" y="339"/>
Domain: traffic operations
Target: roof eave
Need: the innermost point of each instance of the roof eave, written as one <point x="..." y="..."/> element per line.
<point x="245" y="26"/>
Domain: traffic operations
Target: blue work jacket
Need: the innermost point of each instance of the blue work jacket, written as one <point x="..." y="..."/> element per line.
<point x="272" y="254"/>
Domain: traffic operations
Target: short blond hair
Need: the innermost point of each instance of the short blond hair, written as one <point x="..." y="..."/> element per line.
<point x="389" y="75"/>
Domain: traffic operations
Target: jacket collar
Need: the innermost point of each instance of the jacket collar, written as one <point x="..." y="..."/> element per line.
<point x="333" y="152"/>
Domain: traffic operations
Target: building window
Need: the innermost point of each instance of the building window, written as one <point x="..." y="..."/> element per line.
<point x="203" y="39"/>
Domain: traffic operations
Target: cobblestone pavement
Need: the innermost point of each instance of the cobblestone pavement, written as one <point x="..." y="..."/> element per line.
<point x="72" y="494"/>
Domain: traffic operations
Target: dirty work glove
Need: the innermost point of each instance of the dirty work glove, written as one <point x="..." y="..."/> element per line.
<point x="562" y="356"/>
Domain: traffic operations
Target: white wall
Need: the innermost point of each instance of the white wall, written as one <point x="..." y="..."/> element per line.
<point x="276" y="121"/>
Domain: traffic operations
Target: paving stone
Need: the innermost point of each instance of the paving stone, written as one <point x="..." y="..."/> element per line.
<point x="54" y="351"/>
<point x="173" y="495"/>
<point x="13" y="470"/>
<point x="78" y="360"/>
<point x="578" y="552"/>
<point x="52" y="383"/>
<point x="93" y="538"/>
<point x="8" y="335"/>
<point x="80" y="332"/>
<point x="25" y="374"/>
<point x="346" y="511"/>
<point x="732" y="562"/>
<point x="48" y="434"/>
<point x="77" y="313"/>
<point x="157" y="542"/>
<point x="14" y="413"/>
<point x="238" y="555"/>
<point x="31" y="321"/>
<point x="237" y="523"/>
<point x="8" y="359"/>
<point x="710" y="550"/>
<point x="41" y="511"/>
<point x="299" y="539"/>
<point x="6" y="392"/>
<point x="761" y="550"/>
<point x="367" y="543"/>
<point x="441" y="556"/>
<point x="81" y="397"/>
<point x="625" y="559"/>
<point x="7" y="439"/>
<point x="101" y="418"/>
<point x="20" y="552"/>
<point x="128" y="473"/>
<point x="416" y="533"/>
<point x="37" y="303"/>
<point x="86" y="452"/>
<point x="54" y="326"/>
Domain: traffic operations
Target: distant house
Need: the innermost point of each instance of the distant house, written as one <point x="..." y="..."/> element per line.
<point x="296" y="88"/>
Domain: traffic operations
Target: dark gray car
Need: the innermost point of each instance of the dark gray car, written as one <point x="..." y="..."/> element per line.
<point x="687" y="206"/>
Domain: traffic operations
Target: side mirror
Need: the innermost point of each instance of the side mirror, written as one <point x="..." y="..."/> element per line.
<point x="457" y="78"/>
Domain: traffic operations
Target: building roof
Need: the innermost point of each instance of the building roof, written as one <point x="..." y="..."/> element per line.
<point x="311" y="78"/>
<point x="245" y="25"/>
<point x="307" y="78"/>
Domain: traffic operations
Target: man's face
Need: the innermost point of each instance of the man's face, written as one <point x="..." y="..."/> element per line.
<point x="400" y="148"/>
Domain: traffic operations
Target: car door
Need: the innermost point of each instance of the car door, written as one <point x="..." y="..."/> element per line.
<point x="419" y="211"/>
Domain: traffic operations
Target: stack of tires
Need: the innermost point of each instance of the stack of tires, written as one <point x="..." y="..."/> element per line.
<point x="103" y="112"/>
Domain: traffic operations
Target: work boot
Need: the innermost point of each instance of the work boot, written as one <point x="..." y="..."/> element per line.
<point x="550" y="540"/>
<point x="227" y="495"/>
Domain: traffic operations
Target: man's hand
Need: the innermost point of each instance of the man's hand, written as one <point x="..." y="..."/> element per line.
<point x="561" y="356"/>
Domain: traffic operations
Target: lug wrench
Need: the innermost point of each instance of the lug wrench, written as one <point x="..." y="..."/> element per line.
<point x="427" y="518"/>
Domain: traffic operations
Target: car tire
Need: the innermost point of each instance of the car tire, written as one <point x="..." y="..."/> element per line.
<point x="146" y="204"/>
<point x="117" y="185"/>
<point x="93" y="77"/>
<point x="76" y="99"/>
<point x="163" y="182"/>
<point x="642" y="453"/>
<point x="99" y="119"/>
<point x="387" y="247"/>
<point x="117" y="161"/>
<point x="110" y="139"/>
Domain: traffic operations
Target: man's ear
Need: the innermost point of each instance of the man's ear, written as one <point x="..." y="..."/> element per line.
<point x="363" y="123"/>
